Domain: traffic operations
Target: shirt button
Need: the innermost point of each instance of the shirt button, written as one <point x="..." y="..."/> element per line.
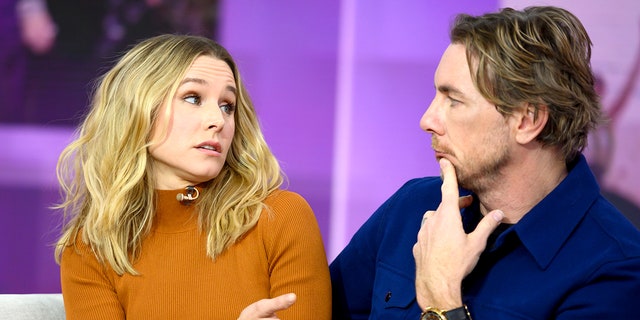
<point x="387" y="296"/>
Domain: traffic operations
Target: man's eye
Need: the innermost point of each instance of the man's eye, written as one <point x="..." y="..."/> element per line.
<point x="193" y="99"/>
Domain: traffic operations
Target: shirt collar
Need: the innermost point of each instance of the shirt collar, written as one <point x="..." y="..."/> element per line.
<point x="548" y="224"/>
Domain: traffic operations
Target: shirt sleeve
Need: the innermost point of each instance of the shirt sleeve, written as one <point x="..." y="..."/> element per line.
<point x="296" y="257"/>
<point x="374" y="275"/>
<point x="86" y="289"/>
<point x="611" y="293"/>
<point x="353" y="270"/>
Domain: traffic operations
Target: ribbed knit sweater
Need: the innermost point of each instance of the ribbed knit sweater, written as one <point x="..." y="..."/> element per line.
<point x="282" y="253"/>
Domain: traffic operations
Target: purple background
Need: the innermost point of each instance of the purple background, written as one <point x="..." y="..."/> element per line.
<point x="339" y="87"/>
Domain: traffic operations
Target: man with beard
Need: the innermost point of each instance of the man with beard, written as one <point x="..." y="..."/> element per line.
<point x="531" y="237"/>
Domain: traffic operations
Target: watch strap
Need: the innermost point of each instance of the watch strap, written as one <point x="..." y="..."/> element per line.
<point x="461" y="313"/>
<point x="431" y="313"/>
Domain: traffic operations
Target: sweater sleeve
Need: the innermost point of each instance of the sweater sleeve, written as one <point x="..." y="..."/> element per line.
<point x="296" y="257"/>
<point x="86" y="289"/>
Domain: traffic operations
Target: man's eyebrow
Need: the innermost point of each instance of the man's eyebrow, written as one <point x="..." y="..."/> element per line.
<point x="451" y="90"/>
<point x="448" y="88"/>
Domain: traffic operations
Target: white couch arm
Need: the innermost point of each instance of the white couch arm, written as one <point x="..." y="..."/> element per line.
<point x="31" y="306"/>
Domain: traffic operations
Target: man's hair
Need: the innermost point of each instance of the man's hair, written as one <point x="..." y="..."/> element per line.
<point x="106" y="173"/>
<point x="540" y="56"/>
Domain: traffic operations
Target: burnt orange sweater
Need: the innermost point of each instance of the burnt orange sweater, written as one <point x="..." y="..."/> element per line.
<point x="282" y="253"/>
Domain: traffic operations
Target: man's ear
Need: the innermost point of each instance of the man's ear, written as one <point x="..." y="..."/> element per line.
<point x="530" y="122"/>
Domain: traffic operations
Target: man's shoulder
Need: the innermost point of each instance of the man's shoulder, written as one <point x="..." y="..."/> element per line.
<point x="419" y="190"/>
<point x="413" y="199"/>
<point x="614" y="228"/>
<point x="424" y="184"/>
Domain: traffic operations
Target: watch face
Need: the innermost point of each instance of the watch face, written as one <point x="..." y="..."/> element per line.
<point x="430" y="315"/>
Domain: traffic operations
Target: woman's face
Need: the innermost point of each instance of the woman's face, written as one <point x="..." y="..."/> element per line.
<point x="199" y="121"/>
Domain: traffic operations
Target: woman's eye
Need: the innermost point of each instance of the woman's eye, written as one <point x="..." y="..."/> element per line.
<point x="193" y="99"/>
<point x="228" y="108"/>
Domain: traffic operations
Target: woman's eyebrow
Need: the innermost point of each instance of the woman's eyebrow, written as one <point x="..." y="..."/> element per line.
<point x="196" y="80"/>
<point x="230" y="88"/>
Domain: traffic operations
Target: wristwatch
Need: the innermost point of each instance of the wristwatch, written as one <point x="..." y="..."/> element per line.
<point x="432" y="313"/>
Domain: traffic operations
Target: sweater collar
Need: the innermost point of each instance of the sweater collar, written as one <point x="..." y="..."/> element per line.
<point x="173" y="215"/>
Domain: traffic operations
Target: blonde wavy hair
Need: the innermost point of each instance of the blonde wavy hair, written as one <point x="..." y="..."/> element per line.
<point x="105" y="173"/>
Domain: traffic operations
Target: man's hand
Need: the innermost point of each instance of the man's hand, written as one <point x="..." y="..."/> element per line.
<point x="266" y="308"/>
<point x="444" y="253"/>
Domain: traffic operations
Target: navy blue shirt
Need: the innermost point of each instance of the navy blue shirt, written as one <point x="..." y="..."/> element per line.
<point x="573" y="256"/>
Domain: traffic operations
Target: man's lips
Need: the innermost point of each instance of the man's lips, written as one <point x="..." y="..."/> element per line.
<point x="440" y="154"/>
<point x="439" y="151"/>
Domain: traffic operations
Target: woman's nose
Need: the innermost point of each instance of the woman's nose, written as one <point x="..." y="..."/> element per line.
<point x="214" y="118"/>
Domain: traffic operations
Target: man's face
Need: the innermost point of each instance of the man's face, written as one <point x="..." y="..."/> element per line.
<point x="466" y="128"/>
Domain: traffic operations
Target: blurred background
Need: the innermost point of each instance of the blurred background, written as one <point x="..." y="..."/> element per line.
<point x="339" y="86"/>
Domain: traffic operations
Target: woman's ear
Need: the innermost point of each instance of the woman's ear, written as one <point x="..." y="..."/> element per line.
<point x="531" y="120"/>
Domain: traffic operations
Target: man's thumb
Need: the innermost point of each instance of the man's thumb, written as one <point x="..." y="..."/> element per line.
<point x="488" y="223"/>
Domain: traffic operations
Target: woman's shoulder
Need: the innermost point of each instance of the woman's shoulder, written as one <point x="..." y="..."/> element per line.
<point x="286" y="199"/>
<point x="288" y="222"/>
<point x="72" y="238"/>
<point x="77" y="245"/>
<point x="77" y="252"/>
<point x="286" y="206"/>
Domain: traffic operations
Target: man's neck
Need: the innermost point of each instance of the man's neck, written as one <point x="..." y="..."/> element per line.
<point x="523" y="184"/>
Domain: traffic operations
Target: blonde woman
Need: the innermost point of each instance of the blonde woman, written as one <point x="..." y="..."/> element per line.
<point x="173" y="207"/>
